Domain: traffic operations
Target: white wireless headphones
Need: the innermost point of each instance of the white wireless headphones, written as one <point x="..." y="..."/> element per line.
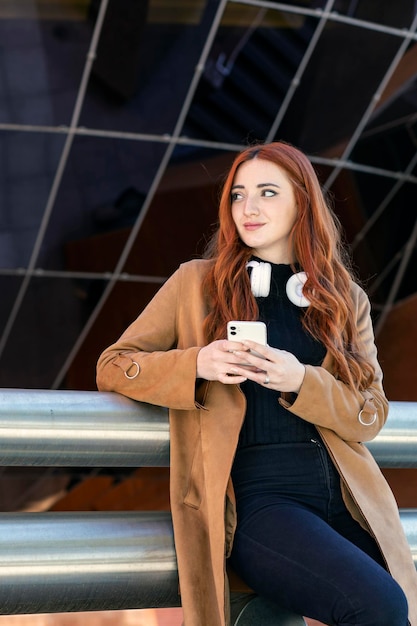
<point x="294" y="289"/>
<point x="260" y="279"/>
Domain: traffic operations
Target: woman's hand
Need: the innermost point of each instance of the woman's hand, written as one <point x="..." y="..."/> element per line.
<point x="231" y="363"/>
<point x="277" y="369"/>
<point x="219" y="361"/>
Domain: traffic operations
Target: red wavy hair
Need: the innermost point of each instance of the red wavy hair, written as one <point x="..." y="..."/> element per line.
<point x="316" y="242"/>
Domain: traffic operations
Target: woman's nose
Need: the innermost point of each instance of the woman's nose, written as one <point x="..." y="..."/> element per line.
<point x="251" y="207"/>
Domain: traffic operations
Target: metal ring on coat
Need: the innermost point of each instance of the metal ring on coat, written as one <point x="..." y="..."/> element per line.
<point x="136" y="372"/>
<point x="361" y="420"/>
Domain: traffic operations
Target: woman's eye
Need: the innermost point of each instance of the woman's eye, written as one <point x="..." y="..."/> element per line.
<point x="269" y="193"/>
<point x="236" y="196"/>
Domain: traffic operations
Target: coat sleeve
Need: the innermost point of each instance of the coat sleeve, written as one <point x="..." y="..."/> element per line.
<point x="146" y="363"/>
<point x="325" y="401"/>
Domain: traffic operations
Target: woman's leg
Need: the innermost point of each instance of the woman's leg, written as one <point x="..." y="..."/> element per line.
<point x="291" y="556"/>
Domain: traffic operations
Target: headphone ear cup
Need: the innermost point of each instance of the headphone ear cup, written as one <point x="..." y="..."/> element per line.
<point x="255" y="280"/>
<point x="260" y="278"/>
<point x="294" y="289"/>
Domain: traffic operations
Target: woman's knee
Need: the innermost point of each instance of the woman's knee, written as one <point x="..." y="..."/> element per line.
<point x="395" y="612"/>
<point x="387" y="607"/>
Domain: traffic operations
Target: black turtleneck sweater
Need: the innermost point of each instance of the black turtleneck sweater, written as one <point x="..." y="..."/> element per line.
<point x="266" y="421"/>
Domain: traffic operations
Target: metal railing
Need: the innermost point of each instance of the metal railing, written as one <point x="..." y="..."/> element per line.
<point x="61" y="562"/>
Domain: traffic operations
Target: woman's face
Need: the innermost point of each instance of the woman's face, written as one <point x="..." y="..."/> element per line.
<point x="264" y="209"/>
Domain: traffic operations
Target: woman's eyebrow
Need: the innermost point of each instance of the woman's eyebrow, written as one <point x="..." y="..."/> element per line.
<point x="260" y="185"/>
<point x="268" y="185"/>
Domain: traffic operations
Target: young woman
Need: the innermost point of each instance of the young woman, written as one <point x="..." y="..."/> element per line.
<point x="268" y="470"/>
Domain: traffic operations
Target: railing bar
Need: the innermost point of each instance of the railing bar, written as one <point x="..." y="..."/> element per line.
<point x="58" y="428"/>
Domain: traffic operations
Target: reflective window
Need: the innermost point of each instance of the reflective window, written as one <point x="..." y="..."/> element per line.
<point x="117" y="126"/>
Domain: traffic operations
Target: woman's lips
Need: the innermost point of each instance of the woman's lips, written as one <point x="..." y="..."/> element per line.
<point x="252" y="225"/>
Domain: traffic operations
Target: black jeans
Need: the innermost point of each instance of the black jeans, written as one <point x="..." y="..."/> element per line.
<point x="297" y="544"/>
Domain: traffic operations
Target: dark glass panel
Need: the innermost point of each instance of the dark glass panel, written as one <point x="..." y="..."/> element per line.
<point x="253" y="59"/>
<point x="28" y="168"/>
<point x="343" y="74"/>
<point x="390" y="14"/>
<point x="182" y="214"/>
<point x="45" y="329"/>
<point x="383" y="225"/>
<point x="145" y="63"/>
<point x="102" y="190"/>
<point x="9" y="288"/>
<point x="42" y="56"/>
<point x="395" y="118"/>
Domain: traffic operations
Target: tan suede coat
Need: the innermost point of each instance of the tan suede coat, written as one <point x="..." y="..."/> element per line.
<point x="205" y="420"/>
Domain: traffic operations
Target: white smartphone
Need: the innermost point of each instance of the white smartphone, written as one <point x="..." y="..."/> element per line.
<point x="254" y="331"/>
<point x="241" y="330"/>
